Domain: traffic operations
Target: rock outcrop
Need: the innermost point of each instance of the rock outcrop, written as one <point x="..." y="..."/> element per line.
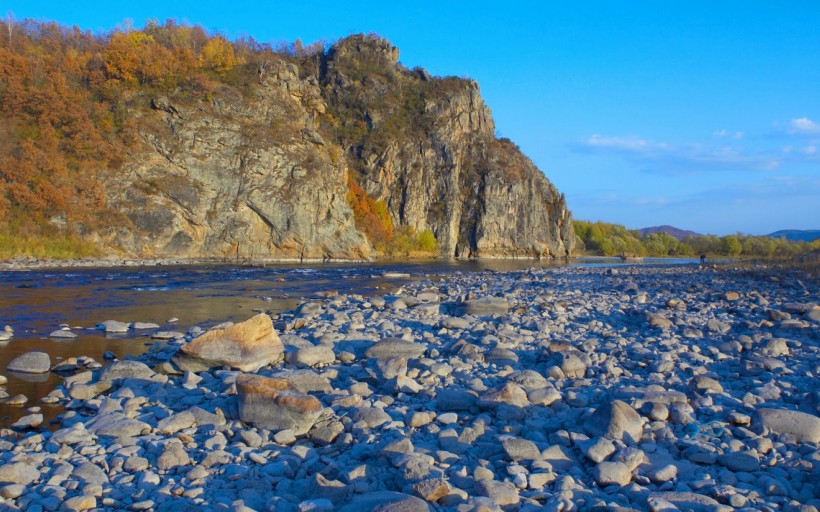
<point x="261" y="172"/>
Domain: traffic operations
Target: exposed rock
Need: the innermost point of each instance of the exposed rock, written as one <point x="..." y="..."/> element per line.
<point x="615" y="420"/>
<point x="396" y="347"/>
<point x="483" y="307"/>
<point x="30" y="362"/>
<point x="260" y="174"/>
<point x="274" y="404"/>
<point x="18" y="473"/>
<point x="246" y="346"/>
<point x="126" y="369"/>
<point x="804" y="427"/>
<point x="386" y="501"/>
<point x="612" y="473"/>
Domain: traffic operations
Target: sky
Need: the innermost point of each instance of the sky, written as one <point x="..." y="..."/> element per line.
<point x="704" y="115"/>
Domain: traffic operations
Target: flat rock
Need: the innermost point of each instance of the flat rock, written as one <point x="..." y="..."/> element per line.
<point x="518" y="449"/>
<point x="386" y="501"/>
<point x="612" y="473"/>
<point x="311" y="356"/>
<point x="28" y="421"/>
<point x="396" y="347"/>
<point x="502" y="493"/>
<point x="454" y="323"/>
<point x="114" y="326"/>
<point x="615" y="420"/>
<point x="116" y="424"/>
<point x="687" y="501"/>
<point x="18" y="473"/>
<point x="176" y="422"/>
<point x="246" y="346"/>
<point x="740" y="461"/>
<point x="30" y="362"/>
<point x="804" y="427"/>
<point x="63" y="334"/>
<point x="274" y="404"/>
<point x="485" y="306"/>
<point x="125" y="370"/>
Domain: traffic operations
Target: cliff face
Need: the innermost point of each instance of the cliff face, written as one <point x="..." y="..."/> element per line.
<point x="237" y="177"/>
<point x="431" y="154"/>
<point x="262" y="173"/>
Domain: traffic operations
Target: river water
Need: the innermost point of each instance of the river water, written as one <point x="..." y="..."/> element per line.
<point x="35" y="303"/>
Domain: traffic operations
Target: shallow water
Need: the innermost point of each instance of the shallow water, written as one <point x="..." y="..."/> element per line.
<point x="37" y="302"/>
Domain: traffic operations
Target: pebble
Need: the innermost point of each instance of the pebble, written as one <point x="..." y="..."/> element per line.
<point x="653" y="388"/>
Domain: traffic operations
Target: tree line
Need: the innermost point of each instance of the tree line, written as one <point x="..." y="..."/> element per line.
<point x="605" y="239"/>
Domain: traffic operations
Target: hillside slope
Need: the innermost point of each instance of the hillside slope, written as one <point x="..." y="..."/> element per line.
<point x="170" y="142"/>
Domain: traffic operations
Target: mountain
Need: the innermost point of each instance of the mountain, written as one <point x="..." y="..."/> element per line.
<point x="672" y="231"/>
<point x="797" y="235"/>
<point x="174" y="143"/>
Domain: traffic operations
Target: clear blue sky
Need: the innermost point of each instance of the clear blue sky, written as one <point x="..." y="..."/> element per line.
<point x="704" y="115"/>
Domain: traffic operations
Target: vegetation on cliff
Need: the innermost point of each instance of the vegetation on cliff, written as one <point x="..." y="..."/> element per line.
<point x="76" y="107"/>
<point x="605" y="239"/>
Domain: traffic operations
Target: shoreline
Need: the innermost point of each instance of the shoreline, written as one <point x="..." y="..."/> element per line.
<point x="558" y="387"/>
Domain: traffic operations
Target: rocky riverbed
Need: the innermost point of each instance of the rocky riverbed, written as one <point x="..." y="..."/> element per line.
<point x="645" y="388"/>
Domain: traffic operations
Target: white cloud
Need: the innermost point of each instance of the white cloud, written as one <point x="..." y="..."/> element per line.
<point x="665" y="157"/>
<point x="811" y="149"/>
<point x="803" y="126"/>
<point x="726" y="134"/>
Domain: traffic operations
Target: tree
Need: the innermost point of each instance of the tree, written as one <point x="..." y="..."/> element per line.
<point x="730" y="245"/>
<point x="10" y="24"/>
<point x="218" y="55"/>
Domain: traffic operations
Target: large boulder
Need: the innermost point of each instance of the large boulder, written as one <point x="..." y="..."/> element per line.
<point x="30" y="362"/>
<point x="804" y="427"/>
<point x="615" y="420"/>
<point x="274" y="404"/>
<point x="246" y="346"/>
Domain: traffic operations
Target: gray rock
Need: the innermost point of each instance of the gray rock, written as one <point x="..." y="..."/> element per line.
<point x="311" y="356"/>
<point x="385" y="501"/>
<point x="687" y="501"/>
<point x="176" y="422"/>
<point x="90" y="473"/>
<point x="804" y="427"/>
<point x="740" y="461"/>
<point x="30" y="362"/>
<point x="125" y="370"/>
<point x="274" y="404"/>
<point x="63" y="334"/>
<point x="372" y="416"/>
<point x="172" y="456"/>
<point x="598" y="449"/>
<point x="116" y="424"/>
<point x="396" y="347"/>
<point x="454" y="323"/>
<point x="114" y="326"/>
<point x="485" y="306"/>
<point x="615" y="420"/>
<point x="612" y="473"/>
<point x="502" y="493"/>
<point x="18" y="473"/>
<point x="28" y="421"/>
<point x="518" y="449"/>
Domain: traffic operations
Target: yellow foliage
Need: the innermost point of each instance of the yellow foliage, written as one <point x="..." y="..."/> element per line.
<point x="218" y="55"/>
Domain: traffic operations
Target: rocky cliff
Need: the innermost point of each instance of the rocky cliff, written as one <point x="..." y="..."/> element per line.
<point x="261" y="171"/>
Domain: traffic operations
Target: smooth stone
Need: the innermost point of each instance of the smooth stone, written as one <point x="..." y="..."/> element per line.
<point x="311" y="356"/>
<point x="176" y="422"/>
<point x="63" y="334"/>
<point x="28" y="421"/>
<point x="740" y="461"/>
<point x="455" y="400"/>
<point x="116" y="424"/>
<point x="77" y="503"/>
<point x="141" y="326"/>
<point x="485" y="306"/>
<point x="454" y="323"/>
<point x="18" y="473"/>
<point x="396" y="347"/>
<point x="598" y="449"/>
<point x="615" y="420"/>
<point x="114" y="326"/>
<point x="246" y="346"/>
<point x="385" y="501"/>
<point x="687" y="501"/>
<point x="518" y="449"/>
<point x="274" y="404"/>
<point x="502" y="493"/>
<point x="612" y="473"/>
<point x="30" y="362"/>
<point x="125" y="370"/>
<point x="804" y="427"/>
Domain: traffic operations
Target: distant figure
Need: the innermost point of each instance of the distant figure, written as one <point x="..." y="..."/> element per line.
<point x="702" y="259"/>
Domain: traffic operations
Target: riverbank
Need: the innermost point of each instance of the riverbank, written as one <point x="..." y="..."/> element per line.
<point x="557" y="388"/>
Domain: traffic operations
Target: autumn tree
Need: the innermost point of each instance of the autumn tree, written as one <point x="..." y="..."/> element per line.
<point x="218" y="56"/>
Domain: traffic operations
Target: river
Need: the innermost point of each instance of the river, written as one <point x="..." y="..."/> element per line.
<point x="37" y="302"/>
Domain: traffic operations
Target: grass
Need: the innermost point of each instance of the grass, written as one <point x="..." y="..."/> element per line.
<point x="59" y="247"/>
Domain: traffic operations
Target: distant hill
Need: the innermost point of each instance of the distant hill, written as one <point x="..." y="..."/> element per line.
<point x="797" y="235"/>
<point x="677" y="233"/>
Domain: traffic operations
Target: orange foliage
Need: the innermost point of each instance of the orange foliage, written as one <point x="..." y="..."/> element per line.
<point x="371" y="216"/>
